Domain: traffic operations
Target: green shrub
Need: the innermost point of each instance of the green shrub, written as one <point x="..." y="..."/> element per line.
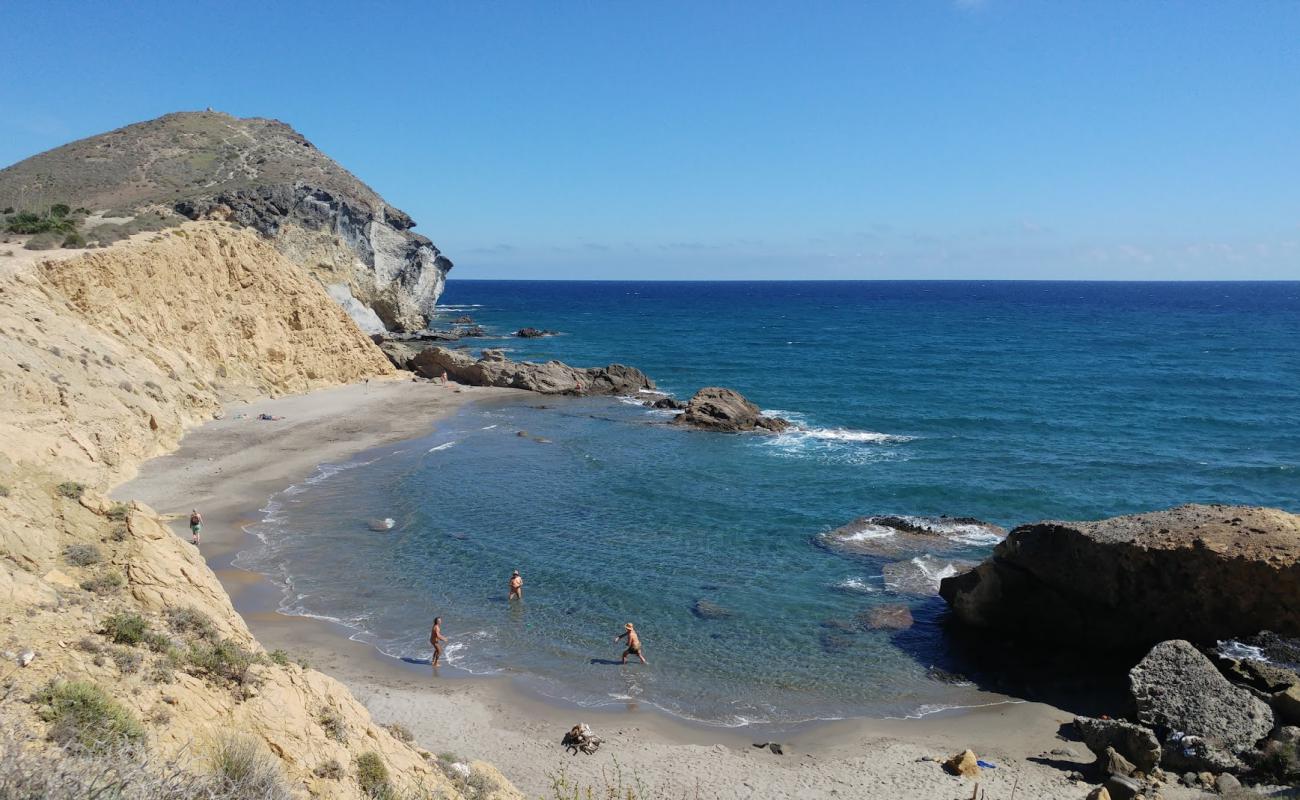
<point x="125" y="628"/>
<point x="279" y="657"/>
<point x="82" y="715"/>
<point x="4" y="490"/>
<point x="74" y="239"/>
<point x="127" y="660"/>
<point x="331" y="721"/>
<point x="191" y="621"/>
<point x="31" y="222"/>
<point x="71" y="490"/>
<point x="372" y="775"/>
<point x="242" y="767"/>
<point x="157" y="642"/>
<point x="60" y="210"/>
<point x="44" y="241"/>
<point x="118" y="512"/>
<point x="330" y="770"/>
<point x="83" y="555"/>
<point x="104" y="583"/>
<point x="223" y="660"/>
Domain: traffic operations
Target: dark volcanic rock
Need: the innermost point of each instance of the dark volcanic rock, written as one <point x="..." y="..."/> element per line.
<point x="894" y="536"/>
<point x="719" y="409"/>
<point x="1198" y="572"/>
<point x="553" y="377"/>
<point x="533" y="333"/>
<point x="665" y="403"/>
<point x="463" y="320"/>
<point x="1177" y="690"/>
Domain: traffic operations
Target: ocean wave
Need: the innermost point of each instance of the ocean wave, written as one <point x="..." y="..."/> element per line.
<point x="488" y="427"/>
<point x="929" y="709"/>
<point x="446" y="446"/>
<point x="856" y="586"/>
<point x="964" y="531"/>
<point x="1231" y="648"/>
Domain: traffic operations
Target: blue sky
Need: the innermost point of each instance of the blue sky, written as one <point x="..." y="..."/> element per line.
<point x="909" y="139"/>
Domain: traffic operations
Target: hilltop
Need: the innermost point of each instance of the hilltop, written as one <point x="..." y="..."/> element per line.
<point x="259" y="173"/>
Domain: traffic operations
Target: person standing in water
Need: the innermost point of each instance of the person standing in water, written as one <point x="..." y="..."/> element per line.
<point x="196" y="525"/>
<point x="516" y="586"/>
<point x="633" y="643"/>
<point x="436" y="639"/>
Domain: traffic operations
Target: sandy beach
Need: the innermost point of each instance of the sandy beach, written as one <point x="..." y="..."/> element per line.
<point x="229" y="467"/>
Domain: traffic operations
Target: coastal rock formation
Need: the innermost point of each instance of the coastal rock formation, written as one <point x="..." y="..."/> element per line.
<point x="533" y="333"/>
<point x="1207" y="721"/>
<point x="1197" y="572"/>
<point x="921" y="576"/>
<point x="264" y="175"/>
<point x="1134" y="742"/>
<point x="894" y="536"/>
<point x="720" y="409"/>
<point x="665" y="403"/>
<point x="106" y="359"/>
<point x="492" y="368"/>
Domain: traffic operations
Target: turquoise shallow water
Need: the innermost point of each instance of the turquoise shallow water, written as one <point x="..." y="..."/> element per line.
<point x="1009" y="402"/>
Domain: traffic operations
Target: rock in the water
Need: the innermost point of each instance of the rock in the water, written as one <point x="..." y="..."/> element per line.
<point x="1136" y="743"/>
<point x="707" y="609"/>
<point x="464" y="319"/>
<point x="894" y="617"/>
<point x="895" y="536"/>
<point x="964" y="763"/>
<point x="720" y="409"/>
<point x="922" y="575"/>
<point x="533" y="333"/>
<point x="667" y="403"/>
<point x="1199" y="572"/>
<point x="380" y="525"/>
<point x="492" y="368"/>
<point x="1207" y="721"/>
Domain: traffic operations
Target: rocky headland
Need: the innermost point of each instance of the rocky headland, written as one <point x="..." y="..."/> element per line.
<point x="720" y="409"/>
<point x="492" y="368"/>
<point x="262" y="175"/>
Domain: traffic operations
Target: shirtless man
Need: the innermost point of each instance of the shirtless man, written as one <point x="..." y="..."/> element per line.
<point x="633" y="643"/>
<point x="436" y="639"/>
<point x="516" y="586"/>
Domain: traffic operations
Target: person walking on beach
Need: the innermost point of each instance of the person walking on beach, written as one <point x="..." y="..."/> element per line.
<point x="516" y="586"/>
<point x="196" y="525"/>
<point x="633" y="643"/>
<point x="436" y="639"/>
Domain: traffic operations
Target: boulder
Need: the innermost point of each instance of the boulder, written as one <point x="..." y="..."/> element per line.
<point x="1137" y="744"/>
<point x="1099" y="793"/>
<point x="1122" y="787"/>
<point x="492" y="368"/>
<point x="1112" y="763"/>
<point x="1198" y="572"/>
<point x="964" y="764"/>
<point x="895" y="536"/>
<point x="1287" y="705"/>
<point x="533" y="333"/>
<point x="707" y="609"/>
<point x="1205" y="721"/>
<point x="668" y="403"/>
<point x="894" y="617"/>
<point x="719" y="409"/>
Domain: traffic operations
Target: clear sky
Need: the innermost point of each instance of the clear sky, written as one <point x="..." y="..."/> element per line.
<point x="909" y="139"/>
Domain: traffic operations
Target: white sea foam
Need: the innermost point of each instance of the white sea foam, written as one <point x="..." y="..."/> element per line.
<point x="442" y="447"/>
<point x="927" y="709"/>
<point x="965" y="532"/>
<point x="1231" y="648"/>
<point x="856" y="585"/>
<point x="488" y="427"/>
<point x="869" y="532"/>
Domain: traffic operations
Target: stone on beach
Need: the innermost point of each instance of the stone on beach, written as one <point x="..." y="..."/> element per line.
<point x="1134" y="742"/>
<point x="720" y="409"/>
<point x="1197" y="572"/>
<point x="965" y="764"/>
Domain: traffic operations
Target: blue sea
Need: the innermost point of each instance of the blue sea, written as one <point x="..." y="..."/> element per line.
<point x="1005" y="401"/>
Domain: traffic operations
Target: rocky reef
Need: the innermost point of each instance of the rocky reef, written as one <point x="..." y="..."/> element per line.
<point x="492" y="368"/>
<point x="264" y="175"/>
<point x="1196" y="572"/>
<point x="720" y="409"/>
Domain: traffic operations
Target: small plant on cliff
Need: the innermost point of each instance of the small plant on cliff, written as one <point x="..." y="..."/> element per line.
<point x="192" y="622"/>
<point x="104" y="583"/>
<point x="118" y="512"/>
<point x="331" y="721"/>
<point x="124" y="628"/>
<point x="400" y="732"/>
<point x="372" y="776"/>
<point x="330" y="770"/>
<point x="82" y="715"/>
<point x="71" y="490"/>
<point x="4" y="490"/>
<point x="83" y="555"/>
<point x="241" y="767"/>
<point x="223" y="660"/>
<point x="279" y="657"/>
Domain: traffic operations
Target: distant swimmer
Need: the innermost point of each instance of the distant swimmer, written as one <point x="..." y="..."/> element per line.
<point x="516" y="586"/>
<point x="196" y="525"/>
<point x="436" y="639"/>
<point x="633" y="643"/>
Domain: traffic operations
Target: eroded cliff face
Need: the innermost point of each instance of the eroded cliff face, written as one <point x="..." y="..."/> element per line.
<point x="262" y="174"/>
<point x="105" y="359"/>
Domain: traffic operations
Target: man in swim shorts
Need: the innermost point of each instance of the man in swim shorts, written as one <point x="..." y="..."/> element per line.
<point x="633" y="643"/>
<point x="196" y="525"/>
<point x="436" y="639"/>
<point x="516" y="586"/>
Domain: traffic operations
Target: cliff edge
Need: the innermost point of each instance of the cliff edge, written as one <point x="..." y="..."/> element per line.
<point x="259" y="173"/>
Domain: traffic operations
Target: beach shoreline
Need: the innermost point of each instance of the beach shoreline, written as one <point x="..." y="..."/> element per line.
<point x="228" y="469"/>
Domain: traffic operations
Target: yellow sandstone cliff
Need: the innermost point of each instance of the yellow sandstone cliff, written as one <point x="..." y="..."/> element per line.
<point x="105" y="359"/>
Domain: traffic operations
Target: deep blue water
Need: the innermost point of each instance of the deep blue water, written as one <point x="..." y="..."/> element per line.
<point x="1007" y="401"/>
